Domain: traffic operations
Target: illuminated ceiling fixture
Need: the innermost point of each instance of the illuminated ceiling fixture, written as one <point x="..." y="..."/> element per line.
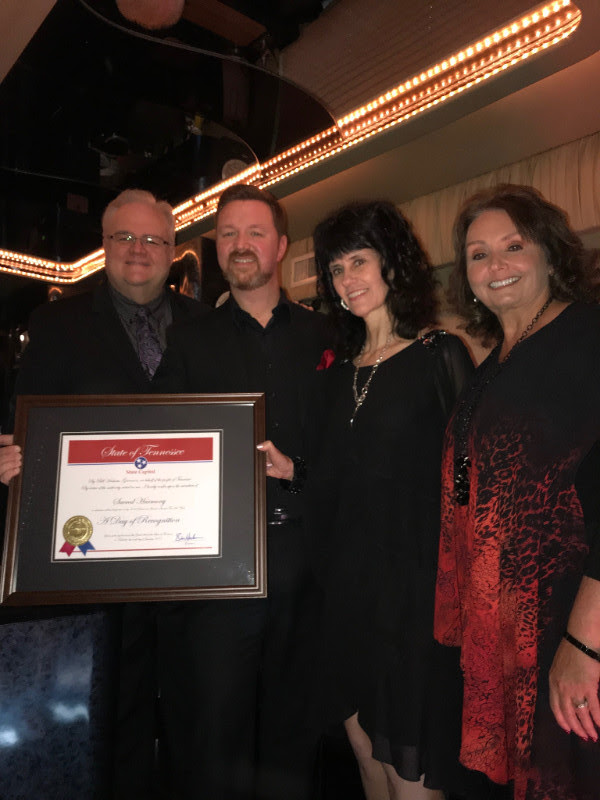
<point x="51" y="271"/>
<point x="546" y="26"/>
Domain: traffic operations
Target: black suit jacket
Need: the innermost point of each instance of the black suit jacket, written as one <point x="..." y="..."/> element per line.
<point x="79" y="346"/>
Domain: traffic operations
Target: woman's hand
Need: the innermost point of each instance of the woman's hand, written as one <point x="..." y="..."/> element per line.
<point x="278" y="464"/>
<point x="10" y="458"/>
<point x="575" y="676"/>
<point x="574" y="679"/>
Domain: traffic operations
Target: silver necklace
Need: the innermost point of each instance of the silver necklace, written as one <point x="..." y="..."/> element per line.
<point x="359" y="399"/>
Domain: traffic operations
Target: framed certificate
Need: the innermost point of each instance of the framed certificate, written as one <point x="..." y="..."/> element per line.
<point x="136" y="498"/>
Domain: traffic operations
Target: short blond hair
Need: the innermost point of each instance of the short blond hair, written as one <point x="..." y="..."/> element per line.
<point x="140" y="196"/>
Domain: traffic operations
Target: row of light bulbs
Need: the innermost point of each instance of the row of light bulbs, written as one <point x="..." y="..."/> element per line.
<point x="545" y="27"/>
<point x="52" y="271"/>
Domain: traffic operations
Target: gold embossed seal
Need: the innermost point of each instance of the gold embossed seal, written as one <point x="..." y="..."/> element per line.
<point x="77" y="530"/>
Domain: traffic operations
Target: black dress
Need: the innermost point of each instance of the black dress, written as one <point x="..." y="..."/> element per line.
<point x="376" y="493"/>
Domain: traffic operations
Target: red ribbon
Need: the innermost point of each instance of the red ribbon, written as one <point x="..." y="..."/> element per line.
<point x="327" y="359"/>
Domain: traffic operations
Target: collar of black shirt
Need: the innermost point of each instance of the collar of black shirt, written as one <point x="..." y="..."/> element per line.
<point x="281" y="313"/>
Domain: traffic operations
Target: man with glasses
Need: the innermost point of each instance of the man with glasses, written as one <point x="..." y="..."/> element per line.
<point x="110" y="341"/>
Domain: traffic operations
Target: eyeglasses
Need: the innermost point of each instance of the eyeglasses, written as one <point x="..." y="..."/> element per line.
<point x="125" y="238"/>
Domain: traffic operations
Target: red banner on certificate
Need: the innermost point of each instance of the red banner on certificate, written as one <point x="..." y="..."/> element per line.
<point x="120" y="451"/>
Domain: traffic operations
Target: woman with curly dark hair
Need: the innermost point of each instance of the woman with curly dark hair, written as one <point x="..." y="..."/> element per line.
<point x="376" y="494"/>
<point x="519" y="566"/>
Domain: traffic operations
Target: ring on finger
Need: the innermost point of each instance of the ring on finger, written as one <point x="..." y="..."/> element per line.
<point x="581" y="704"/>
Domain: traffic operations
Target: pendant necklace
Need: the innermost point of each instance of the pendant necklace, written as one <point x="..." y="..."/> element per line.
<point x="466" y="409"/>
<point x="359" y="398"/>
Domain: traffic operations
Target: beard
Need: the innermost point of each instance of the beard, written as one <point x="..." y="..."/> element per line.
<point x="247" y="277"/>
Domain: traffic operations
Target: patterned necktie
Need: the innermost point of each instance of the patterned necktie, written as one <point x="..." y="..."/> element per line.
<point x="148" y="345"/>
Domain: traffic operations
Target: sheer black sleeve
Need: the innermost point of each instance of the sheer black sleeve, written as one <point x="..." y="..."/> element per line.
<point x="453" y="366"/>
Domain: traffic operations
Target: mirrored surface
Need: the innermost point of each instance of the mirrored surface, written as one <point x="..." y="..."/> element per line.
<point x="96" y="104"/>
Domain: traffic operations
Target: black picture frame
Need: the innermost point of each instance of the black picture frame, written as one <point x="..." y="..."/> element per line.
<point x="30" y="576"/>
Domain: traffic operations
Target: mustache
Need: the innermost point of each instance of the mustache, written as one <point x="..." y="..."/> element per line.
<point x="241" y="254"/>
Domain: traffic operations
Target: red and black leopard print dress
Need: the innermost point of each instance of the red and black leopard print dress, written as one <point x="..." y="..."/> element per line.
<point x="511" y="559"/>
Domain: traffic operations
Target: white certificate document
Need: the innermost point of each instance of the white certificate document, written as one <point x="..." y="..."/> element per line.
<point x="138" y="495"/>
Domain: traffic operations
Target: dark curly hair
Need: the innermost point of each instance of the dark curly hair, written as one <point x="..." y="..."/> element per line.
<point x="405" y="268"/>
<point x="537" y="221"/>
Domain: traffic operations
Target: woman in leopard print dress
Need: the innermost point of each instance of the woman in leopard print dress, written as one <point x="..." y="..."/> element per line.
<point x="520" y="543"/>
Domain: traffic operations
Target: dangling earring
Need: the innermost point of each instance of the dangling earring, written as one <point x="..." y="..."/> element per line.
<point x="343" y="305"/>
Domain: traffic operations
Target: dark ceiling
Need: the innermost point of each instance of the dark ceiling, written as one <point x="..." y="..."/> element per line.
<point x="96" y="104"/>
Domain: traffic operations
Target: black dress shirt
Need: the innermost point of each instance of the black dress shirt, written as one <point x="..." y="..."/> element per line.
<point x="229" y="351"/>
<point x="160" y="315"/>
